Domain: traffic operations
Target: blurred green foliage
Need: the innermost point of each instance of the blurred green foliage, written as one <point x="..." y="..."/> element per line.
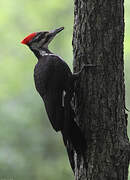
<point x="29" y="148"/>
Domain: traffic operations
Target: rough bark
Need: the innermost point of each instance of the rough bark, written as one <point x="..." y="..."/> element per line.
<point x="100" y="97"/>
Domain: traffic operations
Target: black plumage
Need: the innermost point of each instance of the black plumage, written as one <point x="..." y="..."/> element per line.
<point x="55" y="83"/>
<point x="52" y="78"/>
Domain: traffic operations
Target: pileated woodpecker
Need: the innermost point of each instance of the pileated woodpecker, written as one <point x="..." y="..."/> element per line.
<point x="55" y="83"/>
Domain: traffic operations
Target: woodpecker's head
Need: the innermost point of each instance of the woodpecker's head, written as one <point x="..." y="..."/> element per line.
<point x="40" y="40"/>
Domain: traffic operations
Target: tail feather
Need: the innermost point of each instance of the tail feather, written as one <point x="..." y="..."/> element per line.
<point x="76" y="137"/>
<point x="72" y="133"/>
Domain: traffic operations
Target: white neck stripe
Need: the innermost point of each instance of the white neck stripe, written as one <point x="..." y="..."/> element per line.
<point x="44" y="53"/>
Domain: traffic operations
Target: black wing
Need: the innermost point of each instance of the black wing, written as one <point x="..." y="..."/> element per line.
<point x="52" y="77"/>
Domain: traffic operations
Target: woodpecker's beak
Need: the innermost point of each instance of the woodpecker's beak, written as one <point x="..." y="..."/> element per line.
<point x="56" y="31"/>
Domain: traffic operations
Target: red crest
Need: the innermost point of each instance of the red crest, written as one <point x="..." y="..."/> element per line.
<point x="28" y="38"/>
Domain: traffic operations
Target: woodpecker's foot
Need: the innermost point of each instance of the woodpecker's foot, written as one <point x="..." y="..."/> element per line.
<point x="77" y="74"/>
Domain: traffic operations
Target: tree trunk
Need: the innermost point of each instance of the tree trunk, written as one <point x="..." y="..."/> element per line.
<point x="100" y="98"/>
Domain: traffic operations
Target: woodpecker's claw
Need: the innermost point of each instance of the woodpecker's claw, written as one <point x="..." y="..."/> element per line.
<point x="88" y="65"/>
<point x="82" y="68"/>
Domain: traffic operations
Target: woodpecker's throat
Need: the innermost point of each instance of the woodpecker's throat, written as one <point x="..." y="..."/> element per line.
<point x="41" y="52"/>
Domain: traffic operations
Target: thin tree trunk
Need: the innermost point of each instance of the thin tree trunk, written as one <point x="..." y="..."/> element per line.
<point x="100" y="99"/>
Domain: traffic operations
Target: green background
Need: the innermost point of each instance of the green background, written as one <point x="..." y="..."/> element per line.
<point x="29" y="148"/>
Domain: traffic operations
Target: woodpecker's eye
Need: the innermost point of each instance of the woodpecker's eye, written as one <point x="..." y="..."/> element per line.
<point x="40" y="36"/>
